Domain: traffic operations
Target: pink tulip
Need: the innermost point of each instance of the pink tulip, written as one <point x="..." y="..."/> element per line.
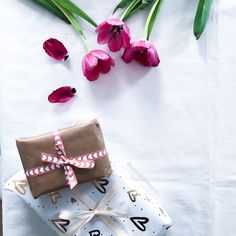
<point x="143" y="52"/>
<point x="54" y="48"/>
<point x="62" y="94"/>
<point x="114" y="32"/>
<point x="95" y="62"/>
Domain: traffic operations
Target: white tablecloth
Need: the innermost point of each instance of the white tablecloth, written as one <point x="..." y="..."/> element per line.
<point x="176" y="123"/>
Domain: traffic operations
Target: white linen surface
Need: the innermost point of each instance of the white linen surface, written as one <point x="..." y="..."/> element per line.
<point x="176" y="123"/>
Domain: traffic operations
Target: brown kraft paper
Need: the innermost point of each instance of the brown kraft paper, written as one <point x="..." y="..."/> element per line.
<point x="79" y="139"/>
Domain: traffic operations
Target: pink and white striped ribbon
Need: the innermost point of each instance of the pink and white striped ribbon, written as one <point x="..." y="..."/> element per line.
<point x="86" y="161"/>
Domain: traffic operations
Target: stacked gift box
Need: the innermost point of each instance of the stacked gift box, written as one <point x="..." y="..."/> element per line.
<point x="70" y="182"/>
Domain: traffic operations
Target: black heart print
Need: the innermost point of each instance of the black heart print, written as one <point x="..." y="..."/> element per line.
<point x="140" y="222"/>
<point x="61" y="224"/>
<point x="132" y="195"/>
<point x="100" y="185"/>
<point x="95" y="233"/>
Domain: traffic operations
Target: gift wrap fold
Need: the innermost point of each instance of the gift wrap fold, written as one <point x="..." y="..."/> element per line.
<point x="113" y="205"/>
<point x="66" y="157"/>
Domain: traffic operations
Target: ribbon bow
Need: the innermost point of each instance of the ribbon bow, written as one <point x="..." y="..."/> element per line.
<point x="86" y="161"/>
<point x="82" y="217"/>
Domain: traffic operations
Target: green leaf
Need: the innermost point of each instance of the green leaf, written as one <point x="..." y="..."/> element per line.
<point x="152" y="18"/>
<point x="201" y="17"/>
<point x="70" y="17"/>
<point x="122" y="4"/>
<point x="131" y="7"/>
<point x="47" y="4"/>
<point x="146" y="3"/>
<point x="142" y="5"/>
<point x="135" y="6"/>
<point x="71" y="7"/>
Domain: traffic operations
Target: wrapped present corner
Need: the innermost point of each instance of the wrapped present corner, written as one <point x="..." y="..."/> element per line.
<point x="113" y="205"/>
<point x="66" y="157"/>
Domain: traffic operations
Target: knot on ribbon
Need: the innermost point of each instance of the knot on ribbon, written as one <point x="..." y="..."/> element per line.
<point x="86" y="161"/>
<point x="82" y="217"/>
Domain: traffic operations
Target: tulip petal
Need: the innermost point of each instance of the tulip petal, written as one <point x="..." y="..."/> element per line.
<point x="62" y="94"/>
<point x="128" y="55"/>
<point x="90" y="62"/>
<point x="141" y="58"/>
<point x="55" y="49"/>
<point x="101" y="26"/>
<point x="115" y="22"/>
<point x="141" y="45"/>
<point x="115" y="43"/>
<point x="91" y="75"/>
<point x="125" y="34"/>
<point x="104" y="36"/>
<point x="153" y="59"/>
<point x="100" y="54"/>
<point x="105" y="65"/>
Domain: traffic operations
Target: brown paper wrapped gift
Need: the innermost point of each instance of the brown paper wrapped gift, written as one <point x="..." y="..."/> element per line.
<point x="78" y="140"/>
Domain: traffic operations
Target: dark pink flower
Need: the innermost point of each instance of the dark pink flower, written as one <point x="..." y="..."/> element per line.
<point x="143" y="52"/>
<point x="95" y="62"/>
<point x="54" y="48"/>
<point x="62" y="94"/>
<point x="114" y="32"/>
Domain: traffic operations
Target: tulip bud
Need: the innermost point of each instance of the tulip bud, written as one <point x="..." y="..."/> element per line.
<point x="143" y="52"/>
<point x="95" y="62"/>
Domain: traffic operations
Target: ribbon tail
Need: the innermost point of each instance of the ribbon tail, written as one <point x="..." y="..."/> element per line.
<point x="70" y="176"/>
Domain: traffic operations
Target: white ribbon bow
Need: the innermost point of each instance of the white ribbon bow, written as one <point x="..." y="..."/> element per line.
<point x="82" y="217"/>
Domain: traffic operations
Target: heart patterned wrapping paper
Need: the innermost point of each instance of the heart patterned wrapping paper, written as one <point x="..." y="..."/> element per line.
<point x="114" y="206"/>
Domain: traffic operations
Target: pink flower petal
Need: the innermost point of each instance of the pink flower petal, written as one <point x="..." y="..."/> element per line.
<point x="115" y="22"/>
<point x="92" y="75"/>
<point x="104" y="36"/>
<point x="125" y="34"/>
<point x="100" y="54"/>
<point x="55" y="49"/>
<point x="153" y="56"/>
<point x="102" y="26"/>
<point x="62" y="94"/>
<point x="105" y="65"/>
<point x="115" y="43"/>
<point x="90" y="62"/>
<point x="128" y="55"/>
<point x="141" y="58"/>
<point x="141" y="44"/>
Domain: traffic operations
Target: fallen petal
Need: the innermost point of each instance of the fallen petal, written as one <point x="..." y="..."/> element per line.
<point x="55" y="49"/>
<point x="62" y="94"/>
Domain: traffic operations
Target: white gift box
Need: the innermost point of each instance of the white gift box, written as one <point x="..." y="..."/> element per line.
<point x="114" y="206"/>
